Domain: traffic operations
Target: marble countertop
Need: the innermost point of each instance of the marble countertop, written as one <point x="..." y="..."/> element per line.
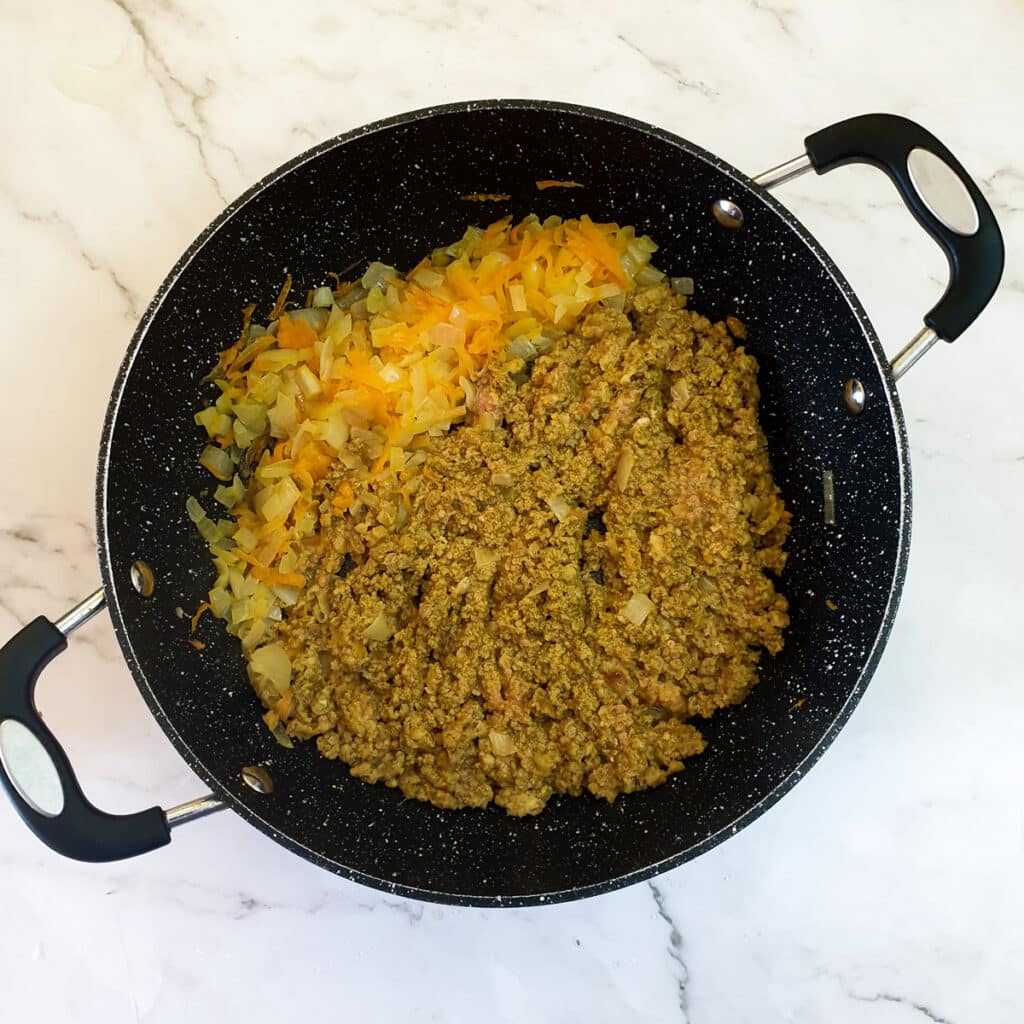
<point x="886" y="888"/>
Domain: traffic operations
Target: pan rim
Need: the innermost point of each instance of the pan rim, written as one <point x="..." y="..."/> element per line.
<point x="181" y="744"/>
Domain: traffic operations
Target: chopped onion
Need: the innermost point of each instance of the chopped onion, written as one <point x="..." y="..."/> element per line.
<point x="559" y="506"/>
<point x="427" y="278"/>
<point x="522" y="348"/>
<point x="315" y="318"/>
<point x="277" y="730"/>
<point x="323" y="298"/>
<point x="447" y="334"/>
<point x="637" y="608"/>
<point x="284" y="417"/>
<point x="682" y="285"/>
<point x="220" y="602"/>
<point x="213" y="422"/>
<point x="231" y="495"/>
<point x="245" y="538"/>
<point x="274" y="470"/>
<point x="378" y="275"/>
<point x="218" y="462"/>
<point x="337" y="430"/>
<point x="381" y="629"/>
<point x="286" y="595"/>
<point x="253" y="415"/>
<point x="623" y="468"/>
<point x="277" y="501"/>
<point x="517" y="296"/>
<point x="485" y="559"/>
<point x="501" y="743"/>
<point x="648" y="275"/>
<point x="272" y="662"/>
<point x="308" y="382"/>
<point x="350" y="298"/>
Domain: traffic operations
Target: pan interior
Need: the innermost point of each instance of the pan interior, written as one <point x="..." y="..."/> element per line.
<point x="393" y="192"/>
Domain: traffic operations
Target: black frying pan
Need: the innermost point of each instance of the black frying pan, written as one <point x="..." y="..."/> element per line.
<point x="393" y="191"/>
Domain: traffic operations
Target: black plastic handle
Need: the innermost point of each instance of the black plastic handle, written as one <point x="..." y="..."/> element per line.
<point x="80" y="831"/>
<point x="975" y="260"/>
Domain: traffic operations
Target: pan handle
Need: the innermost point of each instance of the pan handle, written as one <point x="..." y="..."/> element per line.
<point x="943" y="199"/>
<point x="37" y="774"/>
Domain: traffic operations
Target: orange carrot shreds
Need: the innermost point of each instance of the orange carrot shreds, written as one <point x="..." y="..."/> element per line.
<point x="487" y="197"/>
<point x="552" y="183"/>
<point x="282" y="298"/>
<point x="294" y="334"/>
<point x="228" y="356"/>
<point x="284" y="706"/>
<point x="355" y="386"/>
<point x="200" y="612"/>
<point x="277" y="579"/>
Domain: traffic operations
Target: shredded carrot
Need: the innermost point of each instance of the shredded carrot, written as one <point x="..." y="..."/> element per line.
<point x="294" y="333"/>
<point x="343" y="496"/>
<point x="487" y="197"/>
<point x="227" y="357"/>
<point x="282" y="298"/>
<point x="601" y="250"/>
<point x="198" y="645"/>
<point x="200" y="612"/>
<point x="552" y="183"/>
<point x="283" y="707"/>
<point x="274" y="578"/>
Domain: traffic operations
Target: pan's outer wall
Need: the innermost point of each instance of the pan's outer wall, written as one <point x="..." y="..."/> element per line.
<point x="393" y="191"/>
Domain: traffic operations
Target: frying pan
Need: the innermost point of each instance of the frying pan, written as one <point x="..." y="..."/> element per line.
<point x="393" y="191"/>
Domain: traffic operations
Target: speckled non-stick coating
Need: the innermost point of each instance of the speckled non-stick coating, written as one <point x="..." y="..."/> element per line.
<point x="392" y="191"/>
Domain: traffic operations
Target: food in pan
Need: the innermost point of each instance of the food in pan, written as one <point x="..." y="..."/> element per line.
<point x="499" y="528"/>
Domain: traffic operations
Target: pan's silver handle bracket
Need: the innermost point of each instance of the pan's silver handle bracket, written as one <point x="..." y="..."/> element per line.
<point x="913" y="351"/>
<point x="82" y="612"/>
<point x="941" y="196"/>
<point x="192" y="810"/>
<point x="779" y="175"/>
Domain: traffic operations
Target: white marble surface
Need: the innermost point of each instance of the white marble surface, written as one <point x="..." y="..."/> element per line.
<point x="886" y="889"/>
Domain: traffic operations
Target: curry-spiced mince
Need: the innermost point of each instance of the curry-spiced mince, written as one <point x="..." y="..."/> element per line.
<point x="499" y="528"/>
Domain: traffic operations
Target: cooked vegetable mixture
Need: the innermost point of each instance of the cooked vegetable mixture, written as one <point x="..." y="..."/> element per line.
<point x="540" y="601"/>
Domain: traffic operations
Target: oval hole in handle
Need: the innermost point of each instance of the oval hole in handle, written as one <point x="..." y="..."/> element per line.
<point x="942" y="191"/>
<point x="30" y="769"/>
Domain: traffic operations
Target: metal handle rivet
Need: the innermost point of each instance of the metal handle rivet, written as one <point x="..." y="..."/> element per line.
<point x="142" y="578"/>
<point x="258" y="778"/>
<point x="727" y="213"/>
<point x="854" y="395"/>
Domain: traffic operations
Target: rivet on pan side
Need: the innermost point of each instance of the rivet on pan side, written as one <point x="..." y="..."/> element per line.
<point x="727" y="213"/>
<point x="828" y="494"/>
<point x="854" y="395"/>
<point x="142" y="578"/>
<point x="258" y="778"/>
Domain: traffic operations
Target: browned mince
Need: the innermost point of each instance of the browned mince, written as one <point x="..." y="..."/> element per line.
<point x="511" y="673"/>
